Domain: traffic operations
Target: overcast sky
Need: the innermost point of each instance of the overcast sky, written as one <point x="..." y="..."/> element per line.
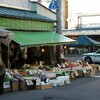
<point x="83" y="7"/>
<point x="90" y="6"/>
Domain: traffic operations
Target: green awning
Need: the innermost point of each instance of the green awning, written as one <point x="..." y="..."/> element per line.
<point x="24" y="38"/>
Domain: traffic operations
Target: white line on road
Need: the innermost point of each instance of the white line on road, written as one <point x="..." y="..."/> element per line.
<point x="97" y="76"/>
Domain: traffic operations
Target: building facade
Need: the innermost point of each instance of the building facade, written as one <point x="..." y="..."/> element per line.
<point x="77" y="22"/>
<point x="30" y="30"/>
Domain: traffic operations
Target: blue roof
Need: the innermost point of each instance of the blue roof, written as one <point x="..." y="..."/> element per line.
<point x="84" y="40"/>
<point x="25" y="14"/>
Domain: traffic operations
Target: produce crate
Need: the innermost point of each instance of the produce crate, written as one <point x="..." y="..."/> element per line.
<point x="7" y="86"/>
<point x="80" y="72"/>
<point x="45" y="86"/>
<point x="30" y="84"/>
<point x="7" y="90"/>
<point x="72" y="75"/>
<point x="38" y="87"/>
<point x="22" y="85"/>
<point x="14" y="85"/>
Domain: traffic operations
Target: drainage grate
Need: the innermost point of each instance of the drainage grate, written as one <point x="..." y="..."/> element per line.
<point x="47" y="98"/>
<point x="54" y="98"/>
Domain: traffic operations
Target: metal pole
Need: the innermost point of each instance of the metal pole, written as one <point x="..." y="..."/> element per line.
<point x="58" y="17"/>
<point x="8" y="56"/>
<point x="59" y="28"/>
<point x="9" y="38"/>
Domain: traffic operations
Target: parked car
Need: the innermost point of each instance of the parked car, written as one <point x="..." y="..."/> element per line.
<point x="92" y="57"/>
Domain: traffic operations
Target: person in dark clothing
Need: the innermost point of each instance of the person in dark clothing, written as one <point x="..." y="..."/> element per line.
<point x="2" y="75"/>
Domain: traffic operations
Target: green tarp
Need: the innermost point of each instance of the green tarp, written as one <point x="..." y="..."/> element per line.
<point x="24" y="38"/>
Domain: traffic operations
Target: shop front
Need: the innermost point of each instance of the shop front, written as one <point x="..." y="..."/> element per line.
<point x="33" y="47"/>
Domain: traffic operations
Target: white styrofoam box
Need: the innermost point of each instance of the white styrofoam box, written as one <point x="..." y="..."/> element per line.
<point x="6" y="84"/>
<point x="60" y="82"/>
<point x="51" y="75"/>
<point x="53" y="82"/>
<point x="38" y="81"/>
<point x="65" y="69"/>
<point x="76" y="67"/>
<point x="87" y="67"/>
<point x="64" y="79"/>
<point x="76" y="73"/>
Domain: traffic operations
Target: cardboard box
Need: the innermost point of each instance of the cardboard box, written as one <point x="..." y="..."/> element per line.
<point x="7" y="89"/>
<point x="14" y="85"/>
<point x="87" y="74"/>
<point x="38" y="87"/>
<point x="95" y="69"/>
<point x="80" y="72"/>
<point x="22" y="85"/>
<point x="72" y="75"/>
<point x="30" y="84"/>
<point x="92" y="73"/>
<point x="45" y="86"/>
<point x="7" y="86"/>
<point x="98" y="67"/>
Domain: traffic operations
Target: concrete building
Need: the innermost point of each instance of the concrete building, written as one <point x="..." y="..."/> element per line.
<point x="72" y="20"/>
<point x="20" y="4"/>
<point x="42" y="10"/>
<point x="79" y="22"/>
<point x="30" y="30"/>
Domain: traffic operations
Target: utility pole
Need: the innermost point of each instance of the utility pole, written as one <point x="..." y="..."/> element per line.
<point x="56" y="5"/>
<point x="59" y="28"/>
<point x="58" y="17"/>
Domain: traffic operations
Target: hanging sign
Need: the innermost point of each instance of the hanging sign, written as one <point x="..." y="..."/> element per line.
<point x="53" y="5"/>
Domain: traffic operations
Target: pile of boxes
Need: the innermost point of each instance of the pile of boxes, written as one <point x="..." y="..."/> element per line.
<point x="43" y="79"/>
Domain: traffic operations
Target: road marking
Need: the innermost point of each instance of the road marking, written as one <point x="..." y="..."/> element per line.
<point x="97" y="76"/>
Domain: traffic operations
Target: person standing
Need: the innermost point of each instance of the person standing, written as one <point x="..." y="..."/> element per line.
<point x="62" y="58"/>
<point x="2" y="75"/>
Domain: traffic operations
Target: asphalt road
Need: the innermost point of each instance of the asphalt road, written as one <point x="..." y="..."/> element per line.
<point x="79" y="89"/>
<point x="73" y="57"/>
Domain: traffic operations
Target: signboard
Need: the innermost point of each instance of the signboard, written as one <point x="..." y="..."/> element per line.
<point x="53" y="5"/>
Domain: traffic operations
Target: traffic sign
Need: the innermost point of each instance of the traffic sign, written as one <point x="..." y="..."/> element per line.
<point x="53" y="5"/>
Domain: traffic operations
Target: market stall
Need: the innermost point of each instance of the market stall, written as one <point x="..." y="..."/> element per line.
<point x="45" y="77"/>
<point x="40" y="75"/>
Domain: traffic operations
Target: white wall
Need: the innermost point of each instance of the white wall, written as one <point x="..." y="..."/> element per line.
<point x="84" y="8"/>
<point x="45" y="12"/>
<point x="63" y="13"/>
<point x="22" y="4"/>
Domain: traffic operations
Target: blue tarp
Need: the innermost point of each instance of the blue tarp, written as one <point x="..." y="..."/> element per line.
<point x="84" y="40"/>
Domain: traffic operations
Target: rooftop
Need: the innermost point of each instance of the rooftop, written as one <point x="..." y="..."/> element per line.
<point x="23" y="14"/>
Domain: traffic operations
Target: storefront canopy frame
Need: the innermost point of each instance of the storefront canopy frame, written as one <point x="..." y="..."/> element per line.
<point x="5" y="33"/>
<point x="29" y="39"/>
